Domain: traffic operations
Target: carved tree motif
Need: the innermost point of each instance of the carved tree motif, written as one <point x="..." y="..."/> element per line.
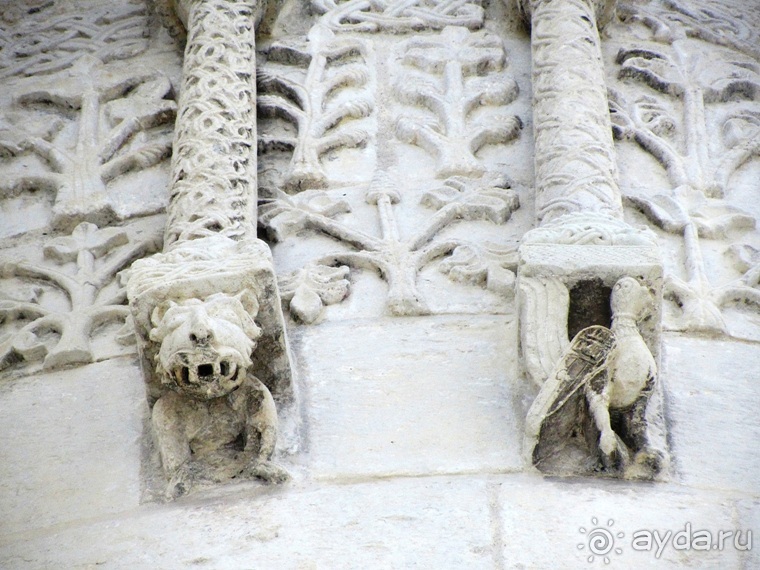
<point x="41" y="47"/>
<point x="398" y="259"/>
<point x="398" y="15"/>
<point x="114" y="110"/>
<point x="451" y="76"/>
<point x="327" y="104"/>
<point x="696" y="78"/>
<point x="708" y="21"/>
<point x="690" y="215"/>
<point x="83" y="266"/>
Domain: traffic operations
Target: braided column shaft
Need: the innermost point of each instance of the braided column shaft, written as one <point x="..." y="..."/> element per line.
<point x="574" y="151"/>
<point x="213" y="181"/>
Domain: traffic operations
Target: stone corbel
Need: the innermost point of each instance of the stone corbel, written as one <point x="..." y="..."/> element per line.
<point x="207" y="311"/>
<point x="581" y="250"/>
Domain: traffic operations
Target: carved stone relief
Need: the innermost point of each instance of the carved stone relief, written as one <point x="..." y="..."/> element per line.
<point x="398" y="258"/>
<point x="327" y="103"/>
<point x="80" y="124"/>
<point x="447" y="93"/>
<point x="38" y="44"/>
<point x="398" y="17"/>
<point x="591" y="416"/>
<point x="450" y="76"/>
<point x="585" y="275"/>
<point x="675" y="87"/>
<point x="207" y="311"/>
<point x="52" y="307"/>
<point x="94" y="123"/>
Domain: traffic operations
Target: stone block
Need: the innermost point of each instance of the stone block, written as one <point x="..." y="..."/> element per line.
<point x="412" y="396"/>
<point x="70" y="445"/>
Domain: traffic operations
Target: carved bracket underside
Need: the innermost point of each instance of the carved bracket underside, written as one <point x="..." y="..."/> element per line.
<point x="568" y="273"/>
<point x="198" y="270"/>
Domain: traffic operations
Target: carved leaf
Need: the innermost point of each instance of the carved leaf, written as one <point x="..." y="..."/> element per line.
<point x="741" y="129"/>
<point x="309" y="289"/>
<point x="716" y="221"/>
<point x="663" y="211"/>
<point x="85" y="237"/>
<point x="726" y="75"/>
<point x="484" y="267"/>
<point x="493" y="200"/>
<point x="286" y="215"/>
<point x="653" y="68"/>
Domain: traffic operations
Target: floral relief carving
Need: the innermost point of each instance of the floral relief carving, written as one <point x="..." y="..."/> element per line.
<point x="98" y="123"/>
<point x="703" y="84"/>
<point x="398" y="258"/>
<point x="452" y="76"/>
<point x="329" y="102"/>
<point x="84" y="267"/>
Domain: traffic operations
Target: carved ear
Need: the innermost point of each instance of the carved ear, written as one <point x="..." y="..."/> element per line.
<point x="158" y="333"/>
<point x="249" y="301"/>
<point x="250" y="304"/>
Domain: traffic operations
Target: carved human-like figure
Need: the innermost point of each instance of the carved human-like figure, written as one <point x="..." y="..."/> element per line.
<point x="217" y="420"/>
<point x="598" y="395"/>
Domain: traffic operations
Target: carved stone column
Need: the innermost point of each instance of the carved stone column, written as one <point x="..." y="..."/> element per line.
<point x="207" y="311"/>
<point x="213" y="185"/>
<point x="582" y="250"/>
<point x="574" y="152"/>
<point x="581" y="246"/>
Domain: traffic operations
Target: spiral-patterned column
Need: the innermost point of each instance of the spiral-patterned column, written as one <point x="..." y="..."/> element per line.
<point x="213" y="178"/>
<point x="574" y="153"/>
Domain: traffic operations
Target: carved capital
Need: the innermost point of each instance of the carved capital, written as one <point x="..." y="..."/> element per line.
<point x="604" y="10"/>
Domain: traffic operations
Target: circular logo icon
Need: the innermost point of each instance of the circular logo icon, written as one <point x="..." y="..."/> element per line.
<point x="600" y="541"/>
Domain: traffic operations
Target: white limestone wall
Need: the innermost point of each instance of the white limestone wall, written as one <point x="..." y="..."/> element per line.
<point x="408" y="440"/>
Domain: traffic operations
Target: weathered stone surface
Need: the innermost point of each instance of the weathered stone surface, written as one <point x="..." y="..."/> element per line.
<point x="712" y="403"/>
<point x="393" y="524"/>
<point x="538" y="533"/>
<point x="412" y="396"/>
<point x="70" y="445"/>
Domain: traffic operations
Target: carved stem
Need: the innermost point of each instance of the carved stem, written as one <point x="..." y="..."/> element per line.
<point x="213" y="185"/>
<point x="575" y="156"/>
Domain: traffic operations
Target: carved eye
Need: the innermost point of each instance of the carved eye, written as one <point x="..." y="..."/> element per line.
<point x="224" y="368"/>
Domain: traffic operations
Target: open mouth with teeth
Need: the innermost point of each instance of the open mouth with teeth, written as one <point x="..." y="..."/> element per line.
<point x="206" y="374"/>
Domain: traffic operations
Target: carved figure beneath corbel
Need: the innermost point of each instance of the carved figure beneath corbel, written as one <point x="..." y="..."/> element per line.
<point x="207" y="311"/>
<point x="214" y="357"/>
<point x="592" y="415"/>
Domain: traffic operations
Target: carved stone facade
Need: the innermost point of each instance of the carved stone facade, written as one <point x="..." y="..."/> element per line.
<point x="455" y="275"/>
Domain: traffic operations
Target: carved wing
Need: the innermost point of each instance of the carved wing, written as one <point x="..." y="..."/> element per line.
<point x="558" y="411"/>
<point x="544" y="304"/>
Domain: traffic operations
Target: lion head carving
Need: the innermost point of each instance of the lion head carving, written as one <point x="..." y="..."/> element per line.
<point x="206" y="345"/>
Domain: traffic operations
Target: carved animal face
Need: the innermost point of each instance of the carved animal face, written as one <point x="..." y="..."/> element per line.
<point x="205" y="345"/>
<point x="629" y="297"/>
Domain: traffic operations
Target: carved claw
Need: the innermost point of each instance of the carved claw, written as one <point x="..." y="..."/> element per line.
<point x="267" y="471"/>
<point x="181" y="482"/>
<point x="645" y="465"/>
<point x="608" y="442"/>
